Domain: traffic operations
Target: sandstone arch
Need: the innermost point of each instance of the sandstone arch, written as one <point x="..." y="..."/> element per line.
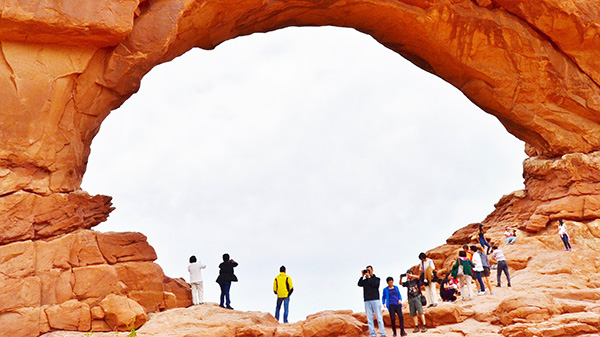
<point x="64" y="67"/>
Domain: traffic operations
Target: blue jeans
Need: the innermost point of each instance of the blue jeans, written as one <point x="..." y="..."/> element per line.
<point x="225" y="286"/>
<point x="286" y="306"/>
<point x="374" y="307"/>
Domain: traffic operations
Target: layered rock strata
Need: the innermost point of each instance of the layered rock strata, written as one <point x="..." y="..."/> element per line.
<point x="64" y="66"/>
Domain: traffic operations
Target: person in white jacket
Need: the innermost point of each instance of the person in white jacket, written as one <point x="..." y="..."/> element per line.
<point x="478" y="269"/>
<point x="195" y="269"/>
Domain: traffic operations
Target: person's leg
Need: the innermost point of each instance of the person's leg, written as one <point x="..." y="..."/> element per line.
<point x="480" y="281"/>
<point x="505" y="269"/>
<point x="498" y="274"/>
<point x="568" y="242"/>
<point x="369" y="310"/>
<point x="401" y="321"/>
<point x="222" y="285"/>
<point x="201" y="292"/>
<point x="413" y="312"/>
<point x="379" y="316"/>
<point x="486" y="281"/>
<point x="420" y="312"/>
<point x="227" y="298"/>
<point x="468" y="280"/>
<point x="286" y="308"/>
<point x="278" y="307"/>
<point x="194" y="289"/>
<point x="394" y="310"/>
<point x="430" y="292"/>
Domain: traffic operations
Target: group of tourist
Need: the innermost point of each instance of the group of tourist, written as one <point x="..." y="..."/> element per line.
<point x="282" y="285"/>
<point x="226" y="276"/>
<point x="471" y="266"/>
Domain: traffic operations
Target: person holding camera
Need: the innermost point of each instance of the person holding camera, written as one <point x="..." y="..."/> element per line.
<point x="226" y="276"/>
<point x="370" y="284"/>
<point x="413" y="290"/>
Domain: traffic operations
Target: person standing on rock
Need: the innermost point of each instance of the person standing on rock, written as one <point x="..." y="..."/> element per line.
<point x="564" y="236"/>
<point x="478" y="269"/>
<point x="393" y="300"/>
<point x="226" y="276"/>
<point x="485" y="275"/>
<point x="283" y="288"/>
<point x="482" y="241"/>
<point x="498" y="255"/>
<point x="413" y="292"/>
<point x="370" y="284"/>
<point x="463" y="270"/>
<point x="427" y="268"/>
<point x="195" y="269"/>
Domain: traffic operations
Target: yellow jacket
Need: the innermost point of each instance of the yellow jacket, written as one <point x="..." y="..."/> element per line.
<point x="282" y="286"/>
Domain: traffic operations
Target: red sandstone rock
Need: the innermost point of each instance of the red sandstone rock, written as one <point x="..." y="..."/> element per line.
<point x="121" y="313"/>
<point x="532" y="64"/>
<point x="125" y="247"/>
<point x="70" y="315"/>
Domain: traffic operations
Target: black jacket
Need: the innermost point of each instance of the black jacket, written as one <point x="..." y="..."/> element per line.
<point x="226" y="272"/>
<point x="370" y="287"/>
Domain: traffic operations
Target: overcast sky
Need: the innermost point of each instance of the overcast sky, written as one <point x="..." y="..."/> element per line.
<point x="314" y="148"/>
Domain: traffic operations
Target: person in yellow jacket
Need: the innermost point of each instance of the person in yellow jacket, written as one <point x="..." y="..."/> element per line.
<point x="283" y="288"/>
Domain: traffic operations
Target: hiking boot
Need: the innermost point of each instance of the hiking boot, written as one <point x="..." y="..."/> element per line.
<point x="416" y="329"/>
<point x="403" y="333"/>
<point x="424" y="329"/>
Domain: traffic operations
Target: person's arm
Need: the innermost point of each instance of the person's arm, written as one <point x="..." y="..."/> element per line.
<point x="275" y="286"/>
<point x="385" y="295"/>
<point x="290" y="285"/>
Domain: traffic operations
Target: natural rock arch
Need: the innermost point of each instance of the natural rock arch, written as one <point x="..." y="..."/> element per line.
<point x="64" y="67"/>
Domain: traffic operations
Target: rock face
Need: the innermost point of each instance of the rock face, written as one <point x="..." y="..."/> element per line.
<point x="64" y="66"/>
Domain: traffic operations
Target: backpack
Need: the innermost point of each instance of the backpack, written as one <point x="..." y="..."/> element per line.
<point x="461" y="269"/>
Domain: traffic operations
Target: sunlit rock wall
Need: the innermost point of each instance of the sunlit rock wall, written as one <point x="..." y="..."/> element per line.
<point x="65" y="65"/>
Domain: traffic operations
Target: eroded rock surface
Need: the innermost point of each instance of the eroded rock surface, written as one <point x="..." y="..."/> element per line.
<point x="65" y="65"/>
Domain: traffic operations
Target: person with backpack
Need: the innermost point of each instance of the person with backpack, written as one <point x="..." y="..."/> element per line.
<point x="463" y="270"/>
<point x="485" y="275"/>
<point x="427" y="268"/>
<point x="283" y="288"/>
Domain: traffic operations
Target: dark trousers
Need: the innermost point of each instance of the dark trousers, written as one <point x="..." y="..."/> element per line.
<point x="225" y="286"/>
<point x="396" y="310"/>
<point x="565" y="240"/>
<point x="502" y="267"/>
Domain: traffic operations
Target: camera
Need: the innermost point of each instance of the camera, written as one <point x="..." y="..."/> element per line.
<point x="365" y="271"/>
<point x="402" y="275"/>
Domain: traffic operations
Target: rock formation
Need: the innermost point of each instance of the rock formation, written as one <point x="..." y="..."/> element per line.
<point x="64" y="66"/>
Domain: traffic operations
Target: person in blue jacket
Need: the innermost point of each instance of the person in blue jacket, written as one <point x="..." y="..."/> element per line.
<point x="393" y="300"/>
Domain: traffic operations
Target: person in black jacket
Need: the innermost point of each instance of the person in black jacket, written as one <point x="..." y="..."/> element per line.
<point x="226" y="276"/>
<point x="370" y="284"/>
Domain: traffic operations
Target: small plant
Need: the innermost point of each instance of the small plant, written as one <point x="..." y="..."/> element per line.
<point x="89" y="333"/>
<point x="131" y="328"/>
